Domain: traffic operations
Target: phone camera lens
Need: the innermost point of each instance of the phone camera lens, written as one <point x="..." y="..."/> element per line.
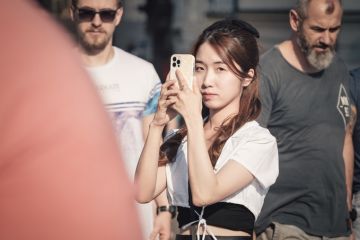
<point x="174" y="64"/>
<point x="178" y="61"/>
<point x="174" y="59"/>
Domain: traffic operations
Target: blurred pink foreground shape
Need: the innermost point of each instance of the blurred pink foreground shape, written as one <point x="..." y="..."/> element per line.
<point x="61" y="174"/>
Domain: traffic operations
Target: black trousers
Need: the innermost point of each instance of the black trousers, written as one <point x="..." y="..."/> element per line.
<point x="208" y="237"/>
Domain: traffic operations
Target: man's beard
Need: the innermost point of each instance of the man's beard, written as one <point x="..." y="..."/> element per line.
<point x="319" y="61"/>
<point x="93" y="45"/>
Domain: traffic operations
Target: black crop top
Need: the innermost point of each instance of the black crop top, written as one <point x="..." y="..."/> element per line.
<point x="231" y="216"/>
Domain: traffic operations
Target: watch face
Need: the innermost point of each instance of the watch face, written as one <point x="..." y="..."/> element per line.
<point x="172" y="209"/>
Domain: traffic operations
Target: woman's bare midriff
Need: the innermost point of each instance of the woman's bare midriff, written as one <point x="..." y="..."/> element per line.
<point x="214" y="230"/>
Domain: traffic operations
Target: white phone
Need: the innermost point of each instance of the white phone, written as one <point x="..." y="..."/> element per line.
<point x="186" y="64"/>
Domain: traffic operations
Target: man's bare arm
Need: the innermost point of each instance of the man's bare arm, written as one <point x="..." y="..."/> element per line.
<point x="348" y="155"/>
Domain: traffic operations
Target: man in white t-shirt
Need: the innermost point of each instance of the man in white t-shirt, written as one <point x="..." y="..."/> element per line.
<point x="128" y="85"/>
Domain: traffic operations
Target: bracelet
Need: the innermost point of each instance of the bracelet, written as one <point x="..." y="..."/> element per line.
<point x="171" y="209"/>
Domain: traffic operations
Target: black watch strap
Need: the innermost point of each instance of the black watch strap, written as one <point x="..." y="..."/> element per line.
<point x="353" y="215"/>
<point x="171" y="209"/>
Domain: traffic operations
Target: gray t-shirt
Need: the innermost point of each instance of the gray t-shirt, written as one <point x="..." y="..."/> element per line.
<point x="307" y="114"/>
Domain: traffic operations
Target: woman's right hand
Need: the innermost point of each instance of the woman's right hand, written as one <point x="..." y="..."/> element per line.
<point x="164" y="112"/>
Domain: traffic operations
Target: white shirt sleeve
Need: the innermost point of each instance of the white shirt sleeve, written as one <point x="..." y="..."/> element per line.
<point x="258" y="153"/>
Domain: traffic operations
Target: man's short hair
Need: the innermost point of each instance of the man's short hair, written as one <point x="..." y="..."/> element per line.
<point x="119" y="3"/>
<point x="301" y="7"/>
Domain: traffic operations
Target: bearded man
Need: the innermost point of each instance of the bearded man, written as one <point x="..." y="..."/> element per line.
<point x="129" y="86"/>
<point x="305" y="105"/>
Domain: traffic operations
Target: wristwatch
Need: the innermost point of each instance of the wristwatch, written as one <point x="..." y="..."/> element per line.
<point x="171" y="209"/>
<point x="353" y="215"/>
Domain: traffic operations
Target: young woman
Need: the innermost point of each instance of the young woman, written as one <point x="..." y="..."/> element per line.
<point x="217" y="171"/>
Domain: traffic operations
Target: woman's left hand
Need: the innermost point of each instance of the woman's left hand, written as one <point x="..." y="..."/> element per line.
<point x="189" y="102"/>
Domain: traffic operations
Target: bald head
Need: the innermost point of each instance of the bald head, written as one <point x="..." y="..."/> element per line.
<point x="328" y="7"/>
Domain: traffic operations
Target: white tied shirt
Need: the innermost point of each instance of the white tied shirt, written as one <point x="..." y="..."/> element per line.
<point x="253" y="147"/>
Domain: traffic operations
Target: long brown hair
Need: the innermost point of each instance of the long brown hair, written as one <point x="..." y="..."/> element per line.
<point x="235" y="42"/>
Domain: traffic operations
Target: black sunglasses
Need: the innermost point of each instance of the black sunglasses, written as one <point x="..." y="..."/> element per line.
<point x="88" y="14"/>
